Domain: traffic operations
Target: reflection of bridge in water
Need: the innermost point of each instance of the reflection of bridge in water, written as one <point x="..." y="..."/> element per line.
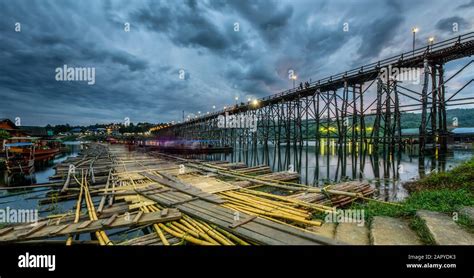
<point x="358" y="110"/>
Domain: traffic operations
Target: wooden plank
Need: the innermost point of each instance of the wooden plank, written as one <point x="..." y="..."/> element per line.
<point x="85" y="224"/>
<point x="241" y="232"/>
<point x="6" y="230"/>
<point x="110" y="220"/>
<point x="164" y="212"/>
<point x="290" y="235"/>
<point x="213" y="218"/>
<point x="138" y="217"/>
<point x="37" y="227"/>
<point x="121" y="221"/>
<point x="263" y="226"/>
<point x="59" y="228"/>
<point x="242" y="222"/>
<point x="186" y="188"/>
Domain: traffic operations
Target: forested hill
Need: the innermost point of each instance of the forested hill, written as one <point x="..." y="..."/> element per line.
<point x="465" y="118"/>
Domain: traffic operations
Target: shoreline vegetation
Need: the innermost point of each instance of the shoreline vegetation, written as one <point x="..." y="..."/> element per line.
<point x="446" y="192"/>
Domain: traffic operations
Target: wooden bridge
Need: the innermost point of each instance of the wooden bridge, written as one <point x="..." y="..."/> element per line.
<point x="340" y="105"/>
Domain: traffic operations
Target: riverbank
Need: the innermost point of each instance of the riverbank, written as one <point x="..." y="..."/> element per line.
<point x="448" y="193"/>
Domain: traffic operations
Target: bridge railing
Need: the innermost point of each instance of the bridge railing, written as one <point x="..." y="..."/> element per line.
<point x="417" y="53"/>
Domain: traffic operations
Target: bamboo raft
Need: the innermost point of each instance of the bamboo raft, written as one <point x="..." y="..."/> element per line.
<point x="170" y="200"/>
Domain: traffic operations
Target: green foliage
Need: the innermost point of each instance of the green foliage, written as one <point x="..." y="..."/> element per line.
<point x="442" y="200"/>
<point x="4" y="134"/>
<point x="459" y="177"/>
<point x="140" y="127"/>
<point x="443" y="192"/>
<point x="408" y="120"/>
<point x="418" y="225"/>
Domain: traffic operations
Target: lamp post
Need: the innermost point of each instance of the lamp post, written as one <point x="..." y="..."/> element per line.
<point x="294" y="77"/>
<point x="414" y="30"/>
<point x="255" y="102"/>
<point x="431" y="41"/>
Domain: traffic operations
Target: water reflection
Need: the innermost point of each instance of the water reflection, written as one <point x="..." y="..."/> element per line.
<point x="43" y="170"/>
<point x="329" y="162"/>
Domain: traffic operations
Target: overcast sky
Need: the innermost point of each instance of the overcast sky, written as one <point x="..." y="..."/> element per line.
<point x="137" y="73"/>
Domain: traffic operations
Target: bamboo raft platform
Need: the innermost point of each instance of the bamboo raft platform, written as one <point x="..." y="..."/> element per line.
<point x="172" y="200"/>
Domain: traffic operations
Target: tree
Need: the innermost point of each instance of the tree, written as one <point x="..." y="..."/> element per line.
<point x="4" y="135"/>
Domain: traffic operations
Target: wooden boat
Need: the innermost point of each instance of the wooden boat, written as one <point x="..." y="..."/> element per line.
<point x="46" y="154"/>
<point x="20" y="157"/>
<point x="46" y="149"/>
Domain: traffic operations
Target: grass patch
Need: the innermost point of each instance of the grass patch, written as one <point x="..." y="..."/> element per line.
<point x="418" y="225"/>
<point x="443" y="200"/>
<point x="466" y="222"/>
<point x="461" y="176"/>
<point x="442" y="192"/>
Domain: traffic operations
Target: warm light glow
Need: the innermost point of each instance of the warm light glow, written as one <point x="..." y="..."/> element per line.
<point x="431" y="39"/>
<point x="414" y="29"/>
<point x="255" y="102"/>
<point x="294" y="77"/>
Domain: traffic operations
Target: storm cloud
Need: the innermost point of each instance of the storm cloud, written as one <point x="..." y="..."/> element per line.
<point x="190" y="55"/>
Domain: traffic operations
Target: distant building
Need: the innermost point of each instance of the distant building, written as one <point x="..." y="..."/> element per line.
<point x="97" y="131"/>
<point x="37" y="131"/>
<point x="410" y="132"/>
<point x="76" y="131"/>
<point x="463" y="134"/>
<point x="11" y="128"/>
<point x="457" y="135"/>
<point x="113" y="129"/>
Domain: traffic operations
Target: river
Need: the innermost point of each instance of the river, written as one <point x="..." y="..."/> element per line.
<point x="386" y="174"/>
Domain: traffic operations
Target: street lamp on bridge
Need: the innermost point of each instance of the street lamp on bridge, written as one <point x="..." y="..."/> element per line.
<point x="255" y="102"/>
<point x="431" y="41"/>
<point x="294" y="77"/>
<point x="414" y="30"/>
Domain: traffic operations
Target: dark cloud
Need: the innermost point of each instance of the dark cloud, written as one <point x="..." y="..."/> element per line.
<point x="378" y="34"/>
<point x="269" y="18"/>
<point x="446" y="24"/>
<point x="137" y="72"/>
<point x="467" y="5"/>
<point x="187" y="25"/>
